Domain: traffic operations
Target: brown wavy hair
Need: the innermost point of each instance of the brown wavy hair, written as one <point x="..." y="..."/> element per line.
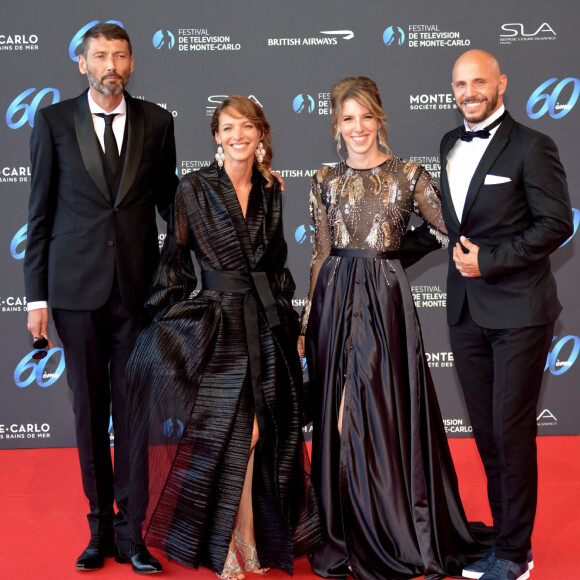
<point x="253" y="112"/>
<point x="364" y="91"/>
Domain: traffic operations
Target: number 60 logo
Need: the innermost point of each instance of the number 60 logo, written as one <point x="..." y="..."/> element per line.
<point x="557" y="366"/>
<point x="28" y="111"/>
<point x="36" y="369"/>
<point x="549" y="101"/>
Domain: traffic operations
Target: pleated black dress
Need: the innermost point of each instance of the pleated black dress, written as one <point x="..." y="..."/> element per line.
<point x="203" y="369"/>
<point x="388" y="486"/>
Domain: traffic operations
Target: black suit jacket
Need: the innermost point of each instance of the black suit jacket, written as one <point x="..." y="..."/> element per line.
<point x="517" y="225"/>
<point x="77" y="237"/>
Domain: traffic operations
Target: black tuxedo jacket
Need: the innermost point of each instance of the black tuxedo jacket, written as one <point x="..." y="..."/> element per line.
<point x="77" y="237"/>
<point x="516" y="224"/>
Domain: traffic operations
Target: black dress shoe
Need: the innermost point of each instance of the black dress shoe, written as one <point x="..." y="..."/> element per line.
<point x="142" y="562"/>
<point x="94" y="555"/>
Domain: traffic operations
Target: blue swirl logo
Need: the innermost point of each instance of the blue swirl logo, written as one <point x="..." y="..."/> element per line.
<point x="30" y="370"/>
<point x="550" y="102"/>
<point x="27" y="111"/>
<point x="303" y="103"/>
<point x="78" y="38"/>
<point x="172" y="427"/>
<point x="163" y="38"/>
<point x="303" y="232"/>
<point x="394" y="35"/>
<point x="18" y="239"/>
<point x="556" y="364"/>
<point x="576" y="218"/>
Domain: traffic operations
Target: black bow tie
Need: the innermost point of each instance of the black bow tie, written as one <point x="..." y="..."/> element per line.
<point x="482" y="133"/>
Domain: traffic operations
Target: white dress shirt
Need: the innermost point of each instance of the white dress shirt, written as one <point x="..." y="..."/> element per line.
<point x="463" y="160"/>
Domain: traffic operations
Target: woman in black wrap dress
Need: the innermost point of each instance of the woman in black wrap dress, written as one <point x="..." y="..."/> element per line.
<point x="380" y="458"/>
<point x="215" y="378"/>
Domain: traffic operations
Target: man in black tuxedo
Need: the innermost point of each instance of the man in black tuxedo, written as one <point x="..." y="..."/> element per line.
<point x="506" y="208"/>
<point x="100" y="165"/>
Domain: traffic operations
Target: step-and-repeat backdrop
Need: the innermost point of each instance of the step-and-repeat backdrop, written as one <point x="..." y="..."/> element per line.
<point x="190" y="54"/>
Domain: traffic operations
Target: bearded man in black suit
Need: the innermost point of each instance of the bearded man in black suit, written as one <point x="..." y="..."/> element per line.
<point x="100" y="165"/>
<point x="506" y="207"/>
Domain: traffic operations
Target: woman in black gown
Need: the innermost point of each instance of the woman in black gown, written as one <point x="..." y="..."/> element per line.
<point x="380" y="458"/>
<point x="215" y="379"/>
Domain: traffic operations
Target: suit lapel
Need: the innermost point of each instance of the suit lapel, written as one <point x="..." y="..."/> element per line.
<point x="135" y="127"/>
<point x="445" y="192"/>
<point x="497" y="145"/>
<point x="89" y="144"/>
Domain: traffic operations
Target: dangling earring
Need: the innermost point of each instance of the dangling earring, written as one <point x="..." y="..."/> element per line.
<point x="220" y="156"/>
<point x="260" y="153"/>
<point x="382" y="142"/>
<point x="338" y="144"/>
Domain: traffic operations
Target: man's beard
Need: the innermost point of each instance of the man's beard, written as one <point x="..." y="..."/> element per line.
<point x="108" y="89"/>
<point x="490" y="106"/>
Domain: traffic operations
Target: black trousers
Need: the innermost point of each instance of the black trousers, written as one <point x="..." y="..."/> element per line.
<point x="97" y="345"/>
<point x="500" y="371"/>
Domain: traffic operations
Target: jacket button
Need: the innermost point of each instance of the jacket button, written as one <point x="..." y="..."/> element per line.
<point x="110" y="243"/>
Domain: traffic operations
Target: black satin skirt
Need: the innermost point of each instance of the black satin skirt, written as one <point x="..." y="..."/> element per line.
<point x="388" y="486"/>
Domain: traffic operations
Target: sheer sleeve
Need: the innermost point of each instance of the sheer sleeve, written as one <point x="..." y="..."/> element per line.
<point x="427" y="205"/>
<point x="321" y="243"/>
<point x="175" y="277"/>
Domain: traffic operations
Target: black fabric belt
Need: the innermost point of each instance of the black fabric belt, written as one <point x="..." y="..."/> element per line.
<point x="348" y="253"/>
<point x="258" y="285"/>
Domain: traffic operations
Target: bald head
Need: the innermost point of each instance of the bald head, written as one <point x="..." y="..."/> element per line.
<point x="478" y="85"/>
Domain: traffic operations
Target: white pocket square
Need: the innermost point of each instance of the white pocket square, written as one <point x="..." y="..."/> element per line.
<point x="495" y="179"/>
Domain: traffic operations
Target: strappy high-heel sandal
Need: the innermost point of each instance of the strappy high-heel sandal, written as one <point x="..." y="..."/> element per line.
<point x="251" y="563"/>
<point x="231" y="568"/>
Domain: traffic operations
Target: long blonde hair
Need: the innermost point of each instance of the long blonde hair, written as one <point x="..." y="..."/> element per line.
<point x="364" y="91"/>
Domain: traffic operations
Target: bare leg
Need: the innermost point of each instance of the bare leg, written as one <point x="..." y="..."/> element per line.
<point x="244" y="532"/>
<point x="340" y="414"/>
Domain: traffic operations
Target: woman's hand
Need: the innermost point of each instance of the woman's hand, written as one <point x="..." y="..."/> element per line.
<point x="301" y="347"/>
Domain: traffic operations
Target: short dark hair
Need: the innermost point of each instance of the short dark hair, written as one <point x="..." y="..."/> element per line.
<point x="109" y="31"/>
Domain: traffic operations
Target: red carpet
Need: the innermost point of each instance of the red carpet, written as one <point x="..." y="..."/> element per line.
<point x="43" y="529"/>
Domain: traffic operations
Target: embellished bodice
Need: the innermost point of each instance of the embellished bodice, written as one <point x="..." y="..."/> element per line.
<point x="369" y="209"/>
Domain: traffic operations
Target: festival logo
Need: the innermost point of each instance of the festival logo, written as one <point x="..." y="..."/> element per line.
<point x="305" y="104"/>
<point x="568" y="346"/>
<point x="20" y="111"/>
<point x="394" y="36"/>
<point x="200" y="40"/>
<point x="45" y="371"/>
<point x="25" y="431"/>
<point x="517" y="32"/>
<point x="552" y="99"/>
<point x="75" y="43"/>
<point x="304" y="233"/>
<point x="194" y="165"/>
<point x="430" y="164"/>
<point x="429" y="296"/>
<point x="424" y="36"/>
<point x="16" y="249"/>
<point x="172" y="428"/>
<point x="18" y="42"/>
<point x="14" y="174"/>
<point x="576" y="218"/>
<point x="455" y="426"/>
<point x="13" y="303"/>
<point x="163" y="39"/>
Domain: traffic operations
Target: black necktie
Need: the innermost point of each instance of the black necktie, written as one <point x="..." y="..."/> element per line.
<point x="111" y="149"/>
<point x="482" y="133"/>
